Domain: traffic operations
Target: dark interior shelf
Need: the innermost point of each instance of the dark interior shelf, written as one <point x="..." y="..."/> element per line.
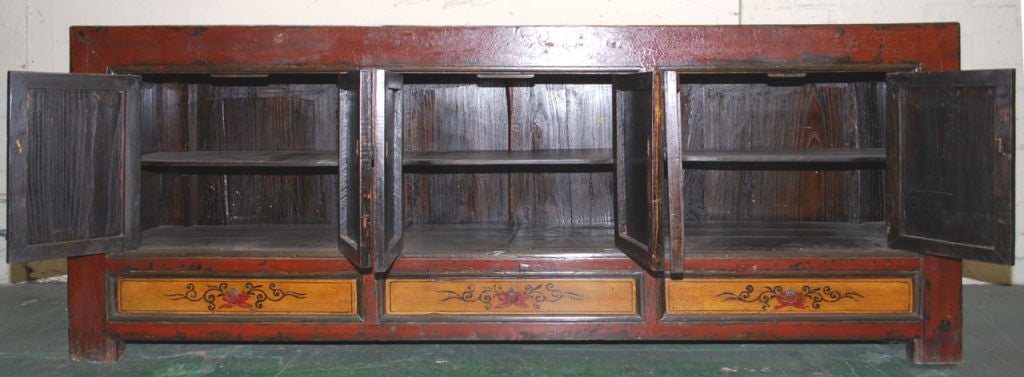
<point x="588" y="157"/>
<point x="784" y="238"/>
<point x="295" y="159"/>
<point x="305" y="240"/>
<point x="798" y="156"/>
<point x="500" y="241"/>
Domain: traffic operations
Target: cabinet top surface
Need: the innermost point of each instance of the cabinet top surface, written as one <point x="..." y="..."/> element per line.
<point x="100" y="49"/>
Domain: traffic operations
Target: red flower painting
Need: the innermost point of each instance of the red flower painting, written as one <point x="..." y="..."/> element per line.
<point x="223" y="296"/>
<point x="234" y="297"/>
<point x="510" y="298"/>
<point x="790" y="298"/>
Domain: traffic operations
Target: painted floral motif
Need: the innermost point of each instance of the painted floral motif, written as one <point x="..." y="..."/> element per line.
<point x="778" y="297"/>
<point x="234" y="298"/>
<point x="224" y="296"/>
<point x="498" y="297"/>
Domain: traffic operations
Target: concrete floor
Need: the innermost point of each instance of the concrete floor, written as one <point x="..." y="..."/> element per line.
<point x="33" y="320"/>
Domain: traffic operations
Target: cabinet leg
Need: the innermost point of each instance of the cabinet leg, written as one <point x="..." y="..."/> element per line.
<point x="95" y="348"/>
<point x="88" y="338"/>
<point x="943" y="319"/>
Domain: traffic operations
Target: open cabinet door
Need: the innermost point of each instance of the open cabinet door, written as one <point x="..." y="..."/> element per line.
<point x="950" y="175"/>
<point x="350" y="227"/>
<point x="381" y="166"/>
<point x="73" y="166"/>
<point x="640" y="201"/>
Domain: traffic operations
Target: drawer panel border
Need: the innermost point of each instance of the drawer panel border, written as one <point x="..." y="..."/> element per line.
<point x="512" y="298"/>
<point x="248" y="298"/>
<point x="790" y="296"/>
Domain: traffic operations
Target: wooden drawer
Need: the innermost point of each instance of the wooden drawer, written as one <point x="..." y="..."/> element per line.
<point x="516" y="297"/>
<point x="790" y="296"/>
<point x="236" y="296"/>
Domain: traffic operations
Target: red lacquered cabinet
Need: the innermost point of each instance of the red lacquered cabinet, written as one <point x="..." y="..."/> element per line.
<point x="374" y="184"/>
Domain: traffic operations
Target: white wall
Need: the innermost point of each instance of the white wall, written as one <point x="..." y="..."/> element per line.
<point x="34" y="33"/>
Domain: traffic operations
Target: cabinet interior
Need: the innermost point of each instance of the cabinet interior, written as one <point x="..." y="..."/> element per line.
<point x="507" y="166"/>
<point x="233" y="164"/>
<point x="775" y="162"/>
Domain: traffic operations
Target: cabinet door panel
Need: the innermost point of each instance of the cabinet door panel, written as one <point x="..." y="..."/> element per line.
<point x="638" y="162"/>
<point x="381" y="167"/>
<point x="950" y="179"/>
<point x="73" y="168"/>
<point x="349" y="199"/>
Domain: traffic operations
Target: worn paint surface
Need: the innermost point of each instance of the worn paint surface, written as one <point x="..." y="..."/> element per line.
<point x="95" y="49"/>
<point x="238" y="297"/>
<point x="933" y="47"/>
<point x="35" y="343"/>
<point x="789" y="296"/>
<point x="592" y="296"/>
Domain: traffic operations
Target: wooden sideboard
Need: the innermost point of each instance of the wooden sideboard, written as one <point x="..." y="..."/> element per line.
<point x="374" y="184"/>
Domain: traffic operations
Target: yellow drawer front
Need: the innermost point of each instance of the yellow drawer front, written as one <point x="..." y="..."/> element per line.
<point x="177" y="296"/>
<point x="789" y="296"/>
<point x="512" y="297"/>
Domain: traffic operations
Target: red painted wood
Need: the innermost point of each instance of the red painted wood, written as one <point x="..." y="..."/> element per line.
<point x="468" y="266"/>
<point x="230" y="265"/>
<point x="942" y="326"/>
<point x="934" y="46"/>
<point x="88" y="337"/>
<point x="746" y="266"/>
<point x="369" y="299"/>
<point x="397" y="331"/>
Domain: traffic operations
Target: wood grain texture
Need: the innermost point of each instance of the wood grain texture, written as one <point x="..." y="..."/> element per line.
<point x="235" y="296"/>
<point x="274" y="117"/>
<point x="350" y="227"/>
<point x="388" y="135"/>
<point x="516" y="297"/>
<point x="791" y="296"/>
<point x="950" y="191"/>
<point x="941" y="340"/>
<point x="817" y="114"/>
<point x="239" y="241"/>
<point x="72" y="164"/>
<point x="450" y="114"/>
<point x="89" y="336"/>
<point x="504" y="241"/>
<point x="931" y="47"/>
<point x="712" y="237"/>
<point x="248" y="159"/>
<point x="162" y="129"/>
<point x="561" y="113"/>
<point x="873" y="156"/>
<point x="218" y="149"/>
<point x="92" y="125"/>
<point x="636" y="188"/>
<point x="275" y="48"/>
<point x="552" y="157"/>
<point x="462" y="121"/>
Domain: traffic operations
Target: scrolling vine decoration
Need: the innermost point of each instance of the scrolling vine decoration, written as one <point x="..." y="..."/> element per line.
<point x="498" y="297"/>
<point x="778" y="297"/>
<point x="234" y="297"/>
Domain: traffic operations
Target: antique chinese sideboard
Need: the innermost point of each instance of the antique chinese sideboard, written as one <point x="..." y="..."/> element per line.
<point x="374" y="184"/>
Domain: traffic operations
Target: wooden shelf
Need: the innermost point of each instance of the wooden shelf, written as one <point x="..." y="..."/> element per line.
<point x="784" y="238"/>
<point x="292" y="159"/>
<point x="798" y="156"/>
<point x="314" y="241"/>
<point x="563" y="157"/>
<point x="503" y="241"/>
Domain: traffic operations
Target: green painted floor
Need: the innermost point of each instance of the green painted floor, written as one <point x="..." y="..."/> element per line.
<point x="33" y="322"/>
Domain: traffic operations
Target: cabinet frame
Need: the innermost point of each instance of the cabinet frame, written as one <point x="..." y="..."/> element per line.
<point x="932" y="335"/>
